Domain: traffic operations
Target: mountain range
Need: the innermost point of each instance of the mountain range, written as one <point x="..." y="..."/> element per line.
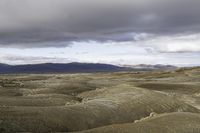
<point x="60" y="68"/>
<point x="75" y="68"/>
<point x="151" y="67"/>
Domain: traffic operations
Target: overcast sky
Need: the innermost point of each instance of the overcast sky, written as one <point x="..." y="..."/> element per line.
<point x="100" y="31"/>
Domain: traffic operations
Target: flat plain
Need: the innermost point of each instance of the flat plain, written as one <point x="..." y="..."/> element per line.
<point x="119" y="102"/>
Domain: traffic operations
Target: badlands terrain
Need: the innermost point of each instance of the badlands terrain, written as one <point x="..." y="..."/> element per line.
<point x="118" y="102"/>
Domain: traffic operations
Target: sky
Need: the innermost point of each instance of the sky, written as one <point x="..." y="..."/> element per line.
<point x="120" y="32"/>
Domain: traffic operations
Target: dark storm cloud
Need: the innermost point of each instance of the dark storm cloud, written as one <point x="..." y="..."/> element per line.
<point x="36" y="23"/>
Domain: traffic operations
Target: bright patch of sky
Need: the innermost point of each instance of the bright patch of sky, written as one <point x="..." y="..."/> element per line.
<point x="118" y="53"/>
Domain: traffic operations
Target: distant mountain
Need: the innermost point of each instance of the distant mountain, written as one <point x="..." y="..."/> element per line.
<point x="151" y="67"/>
<point x="60" y="68"/>
<point x="4" y="67"/>
<point x="78" y="68"/>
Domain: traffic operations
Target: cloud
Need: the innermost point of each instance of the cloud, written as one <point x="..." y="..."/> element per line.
<point x="105" y="31"/>
<point x="123" y="53"/>
<point x="15" y="59"/>
<point x="170" y="44"/>
<point x="44" y="23"/>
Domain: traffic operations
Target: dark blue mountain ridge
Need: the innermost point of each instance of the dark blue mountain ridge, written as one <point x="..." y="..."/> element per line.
<point x="76" y="67"/>
<point x="60" y="68"/>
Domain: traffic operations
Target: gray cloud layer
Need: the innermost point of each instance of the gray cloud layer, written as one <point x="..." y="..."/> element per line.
<point x="33" y="23"/>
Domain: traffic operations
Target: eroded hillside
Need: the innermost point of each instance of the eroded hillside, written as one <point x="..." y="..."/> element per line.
<point x="157" y="101"/>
